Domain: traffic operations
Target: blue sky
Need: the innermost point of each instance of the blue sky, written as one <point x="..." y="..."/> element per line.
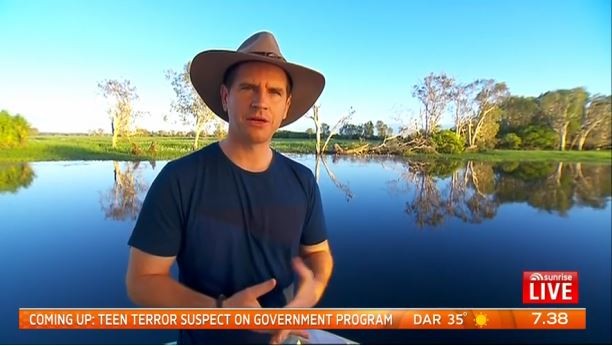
<point x="371" y="52"/>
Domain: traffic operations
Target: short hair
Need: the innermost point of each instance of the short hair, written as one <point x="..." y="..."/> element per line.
<point x="230" y="76"/>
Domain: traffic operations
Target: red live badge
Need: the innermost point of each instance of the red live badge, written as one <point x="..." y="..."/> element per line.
<point x="550" y="287"/>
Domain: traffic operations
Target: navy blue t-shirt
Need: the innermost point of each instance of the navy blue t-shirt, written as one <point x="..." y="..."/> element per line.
<point x="230" y="228"/>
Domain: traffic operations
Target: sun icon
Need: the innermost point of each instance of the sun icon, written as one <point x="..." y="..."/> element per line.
<point x="481" y="320"/>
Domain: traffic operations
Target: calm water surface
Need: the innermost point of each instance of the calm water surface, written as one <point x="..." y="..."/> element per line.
<point x="403" y="234"/>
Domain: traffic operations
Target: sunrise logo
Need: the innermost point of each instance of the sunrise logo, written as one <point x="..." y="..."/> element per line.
<point x="543" y="287"/>
<point x="536" y="277"/>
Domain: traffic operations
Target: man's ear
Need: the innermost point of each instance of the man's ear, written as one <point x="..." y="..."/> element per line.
<point x="224" y="93"/>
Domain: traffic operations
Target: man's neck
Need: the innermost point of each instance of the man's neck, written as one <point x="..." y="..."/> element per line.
<point x="250" y="157"/>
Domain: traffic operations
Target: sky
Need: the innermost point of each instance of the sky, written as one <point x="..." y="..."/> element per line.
<point x="372" y="52"/>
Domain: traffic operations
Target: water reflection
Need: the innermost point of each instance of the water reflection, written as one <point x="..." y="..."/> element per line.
<point x="14" y="176"/>
<point x="348" y="193"/>
<point x="437" y="190"/>
<point x="447" y="189"/>
<point x="556" y="187"/>
<point x="473" y="191"/>
<point x="124" y="200"/>
<point x="592" y="185"/>
<point x="476" y="208"/>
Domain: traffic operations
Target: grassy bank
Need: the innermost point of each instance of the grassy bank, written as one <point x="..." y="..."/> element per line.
<point x="528" y="155"/>
<point x="56" y="148"/>
<point x="59" y="148"/>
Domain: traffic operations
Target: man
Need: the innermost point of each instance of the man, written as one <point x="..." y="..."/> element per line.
<point x="240" y="219"/>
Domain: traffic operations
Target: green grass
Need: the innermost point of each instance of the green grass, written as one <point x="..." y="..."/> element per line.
<point x="56" y="148"/>
<point x="604" y="156"/>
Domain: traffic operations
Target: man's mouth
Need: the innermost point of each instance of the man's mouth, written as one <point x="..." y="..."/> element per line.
<point x="258" y="120"/>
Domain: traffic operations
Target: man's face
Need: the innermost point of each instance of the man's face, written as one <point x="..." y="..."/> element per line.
<point x="256" y="102"/>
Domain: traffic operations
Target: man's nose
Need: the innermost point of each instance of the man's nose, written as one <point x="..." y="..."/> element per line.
<point x="260" y="99"/>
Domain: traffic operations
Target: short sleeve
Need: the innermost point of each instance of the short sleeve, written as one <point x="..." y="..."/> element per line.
<point x="158" y="230"/>
<point x="315" y="229"/>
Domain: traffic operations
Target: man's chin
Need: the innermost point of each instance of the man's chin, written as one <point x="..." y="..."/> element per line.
<point x="257" y="138"/>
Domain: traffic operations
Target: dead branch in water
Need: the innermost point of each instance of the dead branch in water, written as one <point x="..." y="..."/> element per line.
<point x="355" y="151"/>
<point x="391" y="145"/>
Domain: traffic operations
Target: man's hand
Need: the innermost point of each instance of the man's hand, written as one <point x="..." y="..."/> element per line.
<point x="305" y="297"/>
<point x="247" y="298"/>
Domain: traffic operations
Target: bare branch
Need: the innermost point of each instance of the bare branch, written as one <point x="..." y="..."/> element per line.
<point x="337" y="126"/>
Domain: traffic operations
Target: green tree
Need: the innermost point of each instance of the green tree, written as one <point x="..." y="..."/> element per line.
<point x="511" y="141"/>
<point x="563" y="110"/>
<point x="188" y="104"/>
<point x="368" y="129"/>
<point x="483" y="127"/>
<point x="14" y="130"/>
<point x="325" y="129"/>
<point x="598" y="113"/>
<point x="487" y="136"/>
<point x="382" y="130"/>
<point x="220" y="129"/>
<point x="538" y="137"/>
<point x="517" y="112"/>
<point x="600" y="137"/>
<point x="349" y="130"/>
<point x="448" y="142"/>
<point x="359" y="131"/>
<point x="120" y="95"/>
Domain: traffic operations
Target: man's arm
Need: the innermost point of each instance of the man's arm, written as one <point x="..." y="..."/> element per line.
<point x="319" y="260"/>
<point x="313" y="268"/>
<point x="150" y="284"/>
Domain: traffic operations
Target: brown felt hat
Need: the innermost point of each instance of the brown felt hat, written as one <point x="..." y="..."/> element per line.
<point x="208" y="69"/>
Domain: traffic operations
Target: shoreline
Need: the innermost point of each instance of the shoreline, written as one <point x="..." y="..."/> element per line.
<point x="98" y="148"/>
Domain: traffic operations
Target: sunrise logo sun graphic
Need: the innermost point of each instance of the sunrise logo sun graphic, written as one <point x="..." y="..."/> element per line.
<point x="536" y="277"/>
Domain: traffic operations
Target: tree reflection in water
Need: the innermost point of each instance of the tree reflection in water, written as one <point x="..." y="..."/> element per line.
<point x="124" y="200"/>
<point x="593" y="184"/>
<point x="473" y="191"/>
<point x="437" y="190"/>
<point x="344" y="188"/>
<point x="15" y="176"/>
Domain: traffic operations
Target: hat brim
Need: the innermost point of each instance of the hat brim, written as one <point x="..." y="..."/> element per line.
<point x="208" y="69"/>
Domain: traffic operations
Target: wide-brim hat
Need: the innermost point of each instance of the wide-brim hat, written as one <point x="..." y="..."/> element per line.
<point x="208" y="69"/>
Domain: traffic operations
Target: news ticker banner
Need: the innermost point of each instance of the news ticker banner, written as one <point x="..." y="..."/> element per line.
<point x="470" y="318"/>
